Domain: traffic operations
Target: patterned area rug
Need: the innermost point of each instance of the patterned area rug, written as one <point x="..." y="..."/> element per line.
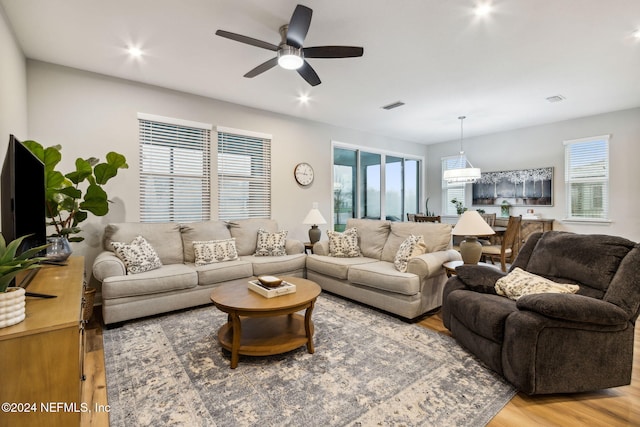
<point x="368" y="369"/>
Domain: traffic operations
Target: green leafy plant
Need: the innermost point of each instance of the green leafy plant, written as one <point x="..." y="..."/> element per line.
<point x="460" y="209"/>
<point x="71" y="196"/>
<point x="11" y="265"/>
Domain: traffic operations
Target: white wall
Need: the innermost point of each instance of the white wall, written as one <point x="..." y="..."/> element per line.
<point x="541" y="146"/>
<point x="13" y="87"/>
<point x="90" y="114"/>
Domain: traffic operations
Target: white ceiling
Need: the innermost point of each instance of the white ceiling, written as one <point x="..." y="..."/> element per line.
<point x="434" y="55"/>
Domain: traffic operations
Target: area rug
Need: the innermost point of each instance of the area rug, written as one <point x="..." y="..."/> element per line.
<point x="368" y="368"/>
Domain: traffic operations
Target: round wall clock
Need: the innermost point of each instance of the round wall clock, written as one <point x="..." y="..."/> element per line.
<point x="303" y="173"/>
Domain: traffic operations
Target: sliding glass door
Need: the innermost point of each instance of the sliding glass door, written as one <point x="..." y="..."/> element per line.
<point x="373" y="185"/>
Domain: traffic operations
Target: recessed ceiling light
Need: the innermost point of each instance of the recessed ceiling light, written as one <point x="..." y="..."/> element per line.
<point x="135" y="51"/>
<point x="483" y="9"/>
<point x="637" y="34"/>
<point x="303" y="98"/>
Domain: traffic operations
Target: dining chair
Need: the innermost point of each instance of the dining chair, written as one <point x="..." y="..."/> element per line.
<point x="411" y="217"/>
<point x="424" y="218"/>
<point x="489" y="218"/>
<point x="504" y="251"/>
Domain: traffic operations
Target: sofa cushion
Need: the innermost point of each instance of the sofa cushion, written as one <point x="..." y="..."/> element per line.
<point x="334" y="267"/>
<point x="271" y="244"/>
<point x="223" y="271"/>
<point x="412" y="246"/>
<point x="246" y="233"/>
<point x="164" y="279"/>
<point x="519" y="283"/>
<point x="200" y="231"/>
<point x="437" y="237"/>
<point x="137" y="256"/>
<point x="384" y="276"/>
<point x="344" y="245"/>
<point x="275" y="265"/>
<point x="591" y="260"/>
<point x="163" y="237"/>
<point x="210" y="251"/>
<point x="483" y="314"/>
<point x="372" y="235"/>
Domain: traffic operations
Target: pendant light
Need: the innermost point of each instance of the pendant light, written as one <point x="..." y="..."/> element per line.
<point x="464" y="174"/>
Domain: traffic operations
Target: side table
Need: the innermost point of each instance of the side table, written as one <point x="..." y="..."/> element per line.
<point x="450" y="267"/>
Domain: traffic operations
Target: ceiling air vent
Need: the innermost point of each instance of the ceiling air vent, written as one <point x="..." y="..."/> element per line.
<point x="556" y="98"/>
<point x="394" y="105"/>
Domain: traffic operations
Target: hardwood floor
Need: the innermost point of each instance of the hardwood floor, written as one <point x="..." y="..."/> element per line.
<point x="612" y="407"/>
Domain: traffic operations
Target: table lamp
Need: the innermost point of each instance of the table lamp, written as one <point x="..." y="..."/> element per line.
<point x="471" y="225"/>
<point x="313" y="218"/>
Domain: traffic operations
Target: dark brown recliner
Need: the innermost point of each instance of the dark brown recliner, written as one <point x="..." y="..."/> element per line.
<point x="553" y="343"/>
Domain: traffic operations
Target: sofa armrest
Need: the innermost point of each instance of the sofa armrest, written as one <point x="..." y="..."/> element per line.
<point x="293" y="246"/>
<point x="427" y="265"/>
<point x="321" y="248"/>
<point x="575" y="308"/>
<point x="107" y="264"/>
<point x="479" y="278"/>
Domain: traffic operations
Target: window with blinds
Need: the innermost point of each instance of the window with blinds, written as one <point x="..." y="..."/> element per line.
<point x="587" y="178"/>
<point x="244" y="174"/>
<point x="454" y="190"/>
<point x="174" y="170"/>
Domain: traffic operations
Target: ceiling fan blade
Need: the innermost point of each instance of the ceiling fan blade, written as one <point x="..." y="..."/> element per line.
<point x="299" y="26"/>
<point x="309" y="74"/>
<point x="248" y="40"/>
<point x="262" y="67"/>
<point x="332" y="52"/>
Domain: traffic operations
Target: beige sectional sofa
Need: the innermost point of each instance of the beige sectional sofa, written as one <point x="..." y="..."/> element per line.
<point x="373" y="278"/>
<point x="179" y="282"/>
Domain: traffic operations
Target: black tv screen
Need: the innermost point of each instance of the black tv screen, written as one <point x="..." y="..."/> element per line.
<point x="23" y="196"/>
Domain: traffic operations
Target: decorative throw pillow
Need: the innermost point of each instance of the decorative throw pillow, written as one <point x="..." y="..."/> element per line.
<point x="519" y="283"/>
<point x="344" y="245"/>
<point x="412" y="246"/>
<point x="138" y="256"/>
<point x="271" y="244"/>
<point x="210" y="251"/>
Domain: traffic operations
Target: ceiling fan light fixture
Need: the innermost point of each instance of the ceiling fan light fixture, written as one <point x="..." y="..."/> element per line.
<point x="290" y="58"/>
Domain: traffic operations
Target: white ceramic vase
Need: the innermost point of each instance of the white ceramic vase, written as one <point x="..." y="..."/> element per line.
<point x="12" y="306"/>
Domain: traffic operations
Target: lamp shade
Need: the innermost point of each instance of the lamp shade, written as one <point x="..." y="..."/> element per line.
<point x="461" y="175"/>
<point x="314" y="217"/>
<point x="472" y="224"/>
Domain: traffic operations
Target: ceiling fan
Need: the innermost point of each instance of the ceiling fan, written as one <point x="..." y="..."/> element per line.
<point x="290" y="52"/>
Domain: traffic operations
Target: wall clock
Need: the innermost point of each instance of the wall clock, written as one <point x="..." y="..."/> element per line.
<point x="303" y="173"/>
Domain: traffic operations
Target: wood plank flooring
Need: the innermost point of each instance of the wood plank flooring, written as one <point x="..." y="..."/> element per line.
<point x="613" y="407"/>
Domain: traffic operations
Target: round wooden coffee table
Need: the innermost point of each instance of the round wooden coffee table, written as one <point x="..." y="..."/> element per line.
<point x="260" y="326"/>
<point x="450" y="267"/>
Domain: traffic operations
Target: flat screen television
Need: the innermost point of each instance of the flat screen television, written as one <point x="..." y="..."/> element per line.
<point x="23" y="196"/>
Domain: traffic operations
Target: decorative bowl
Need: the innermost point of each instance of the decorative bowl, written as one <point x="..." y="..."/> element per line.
<point x="271" y="281"/>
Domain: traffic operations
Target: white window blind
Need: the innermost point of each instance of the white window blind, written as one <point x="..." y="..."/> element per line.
<point x="174" y="170"/>
<point x="587" y="178"/>
<point x="244" y="174"/>
<point x="454" y="190"/>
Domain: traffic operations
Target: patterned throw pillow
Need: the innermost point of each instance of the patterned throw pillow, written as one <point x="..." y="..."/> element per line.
<point x="412" y="246"/>
<point x="138" y="256"/>
<point x="344" y="245"/>
<point x="271" y="244"/>
<point x="210" y="251"/>
<point x="519" y="283"/>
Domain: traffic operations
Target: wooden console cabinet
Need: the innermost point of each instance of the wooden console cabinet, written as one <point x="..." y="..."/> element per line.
<point x="42" y="357"/>
<point x="527" y="228"/>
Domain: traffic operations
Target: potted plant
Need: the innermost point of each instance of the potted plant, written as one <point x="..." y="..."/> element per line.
<point x="460" y="209"/>
<point x="12" y="299"/>
<point x="72" y="196"/>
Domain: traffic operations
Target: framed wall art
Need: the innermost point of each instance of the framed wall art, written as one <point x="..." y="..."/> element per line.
<point x="524" y="187"/>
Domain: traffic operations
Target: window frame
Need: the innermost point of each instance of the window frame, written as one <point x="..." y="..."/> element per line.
<point x="454" y="189"/>
<point x="570" y="178"/>
<point x="175" y="135"/>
